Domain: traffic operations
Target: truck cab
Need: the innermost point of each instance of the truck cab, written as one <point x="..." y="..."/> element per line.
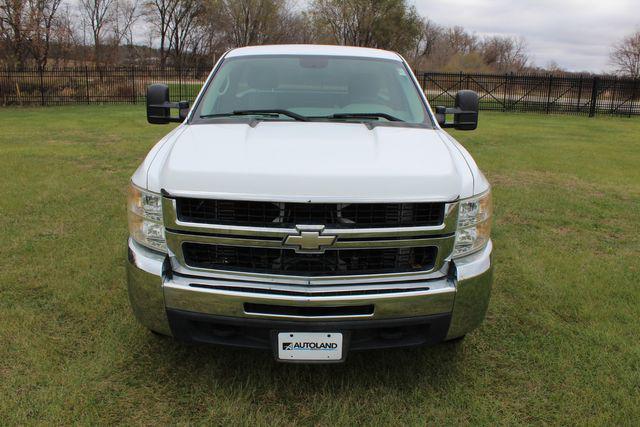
<point x="310" y="203"/>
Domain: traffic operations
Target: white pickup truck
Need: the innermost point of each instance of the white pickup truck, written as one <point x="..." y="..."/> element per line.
<point x="310" y="203"/>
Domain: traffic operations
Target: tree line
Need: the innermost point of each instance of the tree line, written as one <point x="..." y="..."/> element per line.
<point x="180" y="33"/>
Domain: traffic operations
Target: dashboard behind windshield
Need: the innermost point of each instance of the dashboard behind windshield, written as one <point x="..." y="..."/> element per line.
<point x="318" y="87"/>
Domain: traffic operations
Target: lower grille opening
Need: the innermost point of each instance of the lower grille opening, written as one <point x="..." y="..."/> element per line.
<point x="258" y="333"/>
<point x="286" y="310"/>
<point x="329" y="263"/>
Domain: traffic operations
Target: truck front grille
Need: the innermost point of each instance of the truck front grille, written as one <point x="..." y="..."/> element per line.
<point x="288" y="262"/>
<point x="334" y="215"/>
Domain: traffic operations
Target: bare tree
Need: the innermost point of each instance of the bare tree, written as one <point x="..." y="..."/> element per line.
<point x="231" y="23"/>
<point x="349" y="22"/>
<point x="26" y="29"/>
<point x="505" y="53"/>
<point x="13" y="14"/>
<point x="430" y="35"/>
<point x="65" y="38"/>
<point x="626" y="55"/>
<point x="386" y="24"/>
<point x="126" y="14"/>
<point x="552" y="67"/>
<point x="182" y="26"/>
<point x="213" y="38"/>
<point x="159" y="15"/>
<point x="341" y="21"/>
<point x="99" y="15"/>
<point x="250" y="22"/>
<point x="451" y="49"/>
<point x="458" y="40"/>
<point x="297" y="28"/>
<point x="42" y="14"/>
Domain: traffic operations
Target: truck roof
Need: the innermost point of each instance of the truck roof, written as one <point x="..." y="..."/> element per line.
<point x="311" y="49"/>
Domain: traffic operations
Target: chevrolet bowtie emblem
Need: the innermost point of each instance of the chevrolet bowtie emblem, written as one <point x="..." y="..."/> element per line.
<point x="309" y="239"/>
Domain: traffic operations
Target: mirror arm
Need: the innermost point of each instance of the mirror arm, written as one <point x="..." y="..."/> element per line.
<point x="167" y="119"/>
<point x="181" y="105"/>
<point x="445" y="110"/>
<point x="449" y="110"/>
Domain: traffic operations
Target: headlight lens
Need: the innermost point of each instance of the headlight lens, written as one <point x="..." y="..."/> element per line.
<point x="474" y="224"/>
<point x="145" y="218"/>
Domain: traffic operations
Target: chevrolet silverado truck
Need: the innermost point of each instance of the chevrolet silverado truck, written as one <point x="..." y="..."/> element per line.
<point x="310" y="203"/>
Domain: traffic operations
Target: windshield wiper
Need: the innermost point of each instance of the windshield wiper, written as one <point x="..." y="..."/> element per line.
<point x="363" y="116"/>
<point x="287" y="113"/>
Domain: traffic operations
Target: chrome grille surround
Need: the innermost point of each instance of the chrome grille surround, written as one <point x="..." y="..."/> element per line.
<point x="178" y="232"/>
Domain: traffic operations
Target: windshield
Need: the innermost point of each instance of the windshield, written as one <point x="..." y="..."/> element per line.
<point x="301" y="87"/>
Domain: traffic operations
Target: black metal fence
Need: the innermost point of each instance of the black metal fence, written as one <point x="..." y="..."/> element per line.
<point x="85" y="85"/>
<point x="585" y="95"/>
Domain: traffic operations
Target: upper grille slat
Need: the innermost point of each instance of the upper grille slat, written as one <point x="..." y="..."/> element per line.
<point x="270" y="214"/>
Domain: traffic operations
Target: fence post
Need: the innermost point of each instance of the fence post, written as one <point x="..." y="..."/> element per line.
<point x="5" y="84"/>
<point x="634" y="93"/>
<point x="613" y="95"/>
<point x="41" y="71"/>
<point x="86" y="80"/>
<point x="180" y="82"/>
<point x="507" y="80"/>
<point x="549" y="93"/>
<point x="579" y="94"/>
<point x="134" y="99"/>
<point x="594" y="96"/>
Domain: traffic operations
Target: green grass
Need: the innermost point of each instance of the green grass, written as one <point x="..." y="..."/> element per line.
<point x="560" y="344"/>
<point x="183" y="91"/>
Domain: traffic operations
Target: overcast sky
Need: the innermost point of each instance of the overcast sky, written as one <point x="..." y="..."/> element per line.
<point x="577" y="34"/>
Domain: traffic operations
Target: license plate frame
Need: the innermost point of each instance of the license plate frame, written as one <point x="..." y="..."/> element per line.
<point x="310" y="346"/>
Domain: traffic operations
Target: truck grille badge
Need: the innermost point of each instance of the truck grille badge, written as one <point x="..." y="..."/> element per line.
<point x="309" y="239"/>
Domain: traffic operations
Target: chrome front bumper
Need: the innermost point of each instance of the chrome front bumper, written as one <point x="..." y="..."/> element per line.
<point x="464" y="295"/>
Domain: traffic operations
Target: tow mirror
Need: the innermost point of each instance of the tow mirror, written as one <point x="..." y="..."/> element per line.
<point x="465" y="112"/>
<point x="159" y="107"/>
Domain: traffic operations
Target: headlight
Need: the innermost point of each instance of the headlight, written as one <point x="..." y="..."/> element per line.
<point x="474" y="224"/>
<point x="145" y="218"/>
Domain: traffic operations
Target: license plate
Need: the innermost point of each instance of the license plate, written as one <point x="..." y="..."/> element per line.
<point x="309" y="346"/>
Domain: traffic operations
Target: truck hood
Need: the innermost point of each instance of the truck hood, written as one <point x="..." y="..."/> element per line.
<point x="310" y="162"/>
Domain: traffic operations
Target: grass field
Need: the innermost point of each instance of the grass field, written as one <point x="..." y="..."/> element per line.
<point x="560" y="344"/>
